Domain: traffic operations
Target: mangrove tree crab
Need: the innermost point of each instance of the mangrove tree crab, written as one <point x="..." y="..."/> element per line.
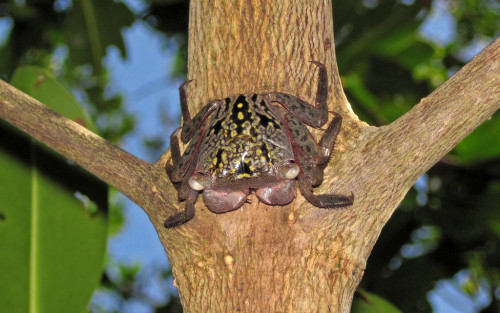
<point x="256" y="142"/>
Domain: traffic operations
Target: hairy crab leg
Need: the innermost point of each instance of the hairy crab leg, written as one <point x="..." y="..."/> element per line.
<point x="184" y="216"/>
<point x="327" y="142"/>
<point x="314" y="116"/>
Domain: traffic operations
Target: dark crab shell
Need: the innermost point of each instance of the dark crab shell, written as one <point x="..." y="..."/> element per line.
<point x="254" y="142"/>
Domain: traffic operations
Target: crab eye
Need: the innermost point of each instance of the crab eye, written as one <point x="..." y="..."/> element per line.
<point x="290" y="171"/>
<point x="195" y="184"/>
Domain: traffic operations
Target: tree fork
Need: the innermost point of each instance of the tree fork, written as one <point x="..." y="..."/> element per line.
<point x="298" y="258"/>
<point x="294" y="258"/>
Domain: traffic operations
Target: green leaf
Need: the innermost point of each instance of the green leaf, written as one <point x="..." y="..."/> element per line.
<point x="53" y="223"/>
<point x="386" y="20"/>
<point x="365" y="302"/>
<point x="482" y="145"/>
<point x="93" y="26"/>
<point x="41" y="85"/>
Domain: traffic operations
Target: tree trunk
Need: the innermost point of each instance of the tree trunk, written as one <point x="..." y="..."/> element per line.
<point x="260" y="258"/>
<point x="293" y="258"/>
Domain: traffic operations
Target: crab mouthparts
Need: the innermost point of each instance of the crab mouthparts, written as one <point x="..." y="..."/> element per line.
<point x="288" y="171"/>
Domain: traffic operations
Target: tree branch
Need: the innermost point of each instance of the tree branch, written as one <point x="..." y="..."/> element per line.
<point x="122" y="170"/>
<point x="383" y="163"/>
<point x="440" y="121"/>
<point x="412" y="144"/>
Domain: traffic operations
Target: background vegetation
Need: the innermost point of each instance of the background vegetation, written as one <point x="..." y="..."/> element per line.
<point x="443" y="241"/>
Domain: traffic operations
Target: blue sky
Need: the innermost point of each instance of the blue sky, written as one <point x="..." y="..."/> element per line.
<point x="148" y="64"/>
<point x="143" y="79"/>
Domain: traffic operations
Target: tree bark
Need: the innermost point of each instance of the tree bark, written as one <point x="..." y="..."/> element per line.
<point x="293" y="258"/>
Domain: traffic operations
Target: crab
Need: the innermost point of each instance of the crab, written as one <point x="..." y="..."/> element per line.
<point x="253" y="142"/>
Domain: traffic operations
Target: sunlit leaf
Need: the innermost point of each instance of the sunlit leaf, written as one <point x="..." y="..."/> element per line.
<point x="365" y="302"/>
<point x="53" y="223"/>
<point x="482" y="145"/>
<point x="93" y="26"/>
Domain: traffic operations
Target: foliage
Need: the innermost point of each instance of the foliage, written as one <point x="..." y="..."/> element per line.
<point x="365" y="302"/>
<point x="391" y="53"/>
<point x="70" y="40"/>
<point x="126" y="288"/>
<point x="53" y="213"/>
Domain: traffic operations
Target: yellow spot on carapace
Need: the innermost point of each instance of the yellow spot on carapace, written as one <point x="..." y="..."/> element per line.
<point x="240" y="115"/>
<point x="244" y="175"/>
<point x="258" y="151"/>
<point x="239" y="105"/>
<point x="234" y="133"/>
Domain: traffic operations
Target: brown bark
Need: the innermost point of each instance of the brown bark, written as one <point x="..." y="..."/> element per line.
<point x="294" y="258"/>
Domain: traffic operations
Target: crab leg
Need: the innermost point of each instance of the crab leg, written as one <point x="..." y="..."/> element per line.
<point x="188" y="213"/>
<point x="327" y="142"/>
<point x="312" y="163"/>
<point x="178" y="173"/>
<point x="190" y="126"/>
<point x="193" y="131"/>
<point x="314" y="116"/>
<point x="179" y="168"/>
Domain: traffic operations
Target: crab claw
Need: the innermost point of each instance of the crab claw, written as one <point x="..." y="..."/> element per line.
<point x="221" y="201"/>
<point x="195" y="184"/>
<point x="280" y="194"/>
<point x="198" y="182"/>
<point x="289" y="171"/>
